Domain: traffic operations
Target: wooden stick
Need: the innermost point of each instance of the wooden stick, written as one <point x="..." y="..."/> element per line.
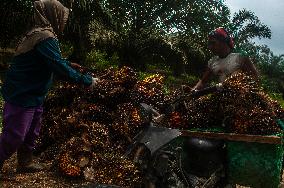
<point x="234" y="137"/>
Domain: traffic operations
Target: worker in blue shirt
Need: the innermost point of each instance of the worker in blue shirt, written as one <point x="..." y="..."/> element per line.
<point x="28" y="79"/>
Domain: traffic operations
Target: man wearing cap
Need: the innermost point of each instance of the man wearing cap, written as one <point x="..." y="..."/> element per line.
<point x="225" y="62"/>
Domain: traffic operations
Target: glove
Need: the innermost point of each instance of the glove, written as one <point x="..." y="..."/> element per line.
<point x="219" y="86"/>
<point x="94" y="83"/>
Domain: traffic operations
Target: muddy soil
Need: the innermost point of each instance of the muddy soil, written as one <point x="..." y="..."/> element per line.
<point x="48" y="178"/>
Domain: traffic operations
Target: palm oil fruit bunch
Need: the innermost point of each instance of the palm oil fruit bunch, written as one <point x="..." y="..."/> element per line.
<point x="48" y="153"/>
<point x="177" y="120"/>
<point x="114" y="86"/>
<point x="70" y="156"/>
<point x="109" y="168"/>
<point x="149" y="91"/>
<point x="108" y="92"/>
<point x="236" y="88"/>
<point x="95" y="112"/>
<point x="62" y="95"/>
<point x="76" y="154"/>
<point x="108" y="74"/>
<point x="240" y="82"/>
<point x="126" y="77"/>
<point x="66" y="166"/>
<point x="155" y="80"/>
<point x="97" y="135"/>
<point x="252" y="111"/>
<point x="128" y="121"/>
<point x="262" y="122"/>
<point x="58" y="117"/>
<point x="257" y="122"/>
<point x="203" y="112"/>
<point x="55" y="124"/>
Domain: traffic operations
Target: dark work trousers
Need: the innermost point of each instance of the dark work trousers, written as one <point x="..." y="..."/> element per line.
<point x="21" y="128"/>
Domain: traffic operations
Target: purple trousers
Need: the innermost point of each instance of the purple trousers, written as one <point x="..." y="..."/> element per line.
<point x="21" y="128"/>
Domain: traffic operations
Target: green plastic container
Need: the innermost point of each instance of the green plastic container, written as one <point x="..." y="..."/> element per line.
<point x="254" y="164"/>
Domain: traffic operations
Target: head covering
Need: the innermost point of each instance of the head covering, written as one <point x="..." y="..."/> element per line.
<point x="222" y="35"/>
<point x="50" y="17"/>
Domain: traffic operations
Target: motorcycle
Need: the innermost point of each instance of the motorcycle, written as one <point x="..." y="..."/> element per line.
<point x="169" y="160"/>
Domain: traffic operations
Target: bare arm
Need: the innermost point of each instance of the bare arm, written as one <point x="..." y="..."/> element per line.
<point x="248" y="67"/>
<point x="205" y="77"/>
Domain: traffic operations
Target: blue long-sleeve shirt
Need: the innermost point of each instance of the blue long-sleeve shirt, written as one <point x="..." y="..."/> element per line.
<point x="30" y="74"/>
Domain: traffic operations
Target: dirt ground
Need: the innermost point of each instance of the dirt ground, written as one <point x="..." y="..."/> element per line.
<point x="45" y="179"/>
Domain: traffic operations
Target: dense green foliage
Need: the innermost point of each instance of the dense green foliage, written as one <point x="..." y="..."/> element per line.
<point x="15" y="19"/>
<point x="100" y="60"/>
<point x="245" y="26"/>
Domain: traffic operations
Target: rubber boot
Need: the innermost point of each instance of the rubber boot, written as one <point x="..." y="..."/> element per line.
<point x="25" y="162"/>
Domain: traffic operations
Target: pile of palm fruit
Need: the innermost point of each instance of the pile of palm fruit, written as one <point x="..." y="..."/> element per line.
<point x="248" y="109"/>
<point x="86" y="133"/>
<point x="241" y="106"/>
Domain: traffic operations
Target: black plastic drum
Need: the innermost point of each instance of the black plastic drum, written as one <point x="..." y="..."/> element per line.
<point x="203" y="156"/>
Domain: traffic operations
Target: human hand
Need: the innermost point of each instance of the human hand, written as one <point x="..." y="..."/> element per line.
<point x="194" y="89"/>
<point x="219" y="86"/>
<point x="197" y="87"/>
<point x="76" y="66"/>
<point x="94" y="83"/>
